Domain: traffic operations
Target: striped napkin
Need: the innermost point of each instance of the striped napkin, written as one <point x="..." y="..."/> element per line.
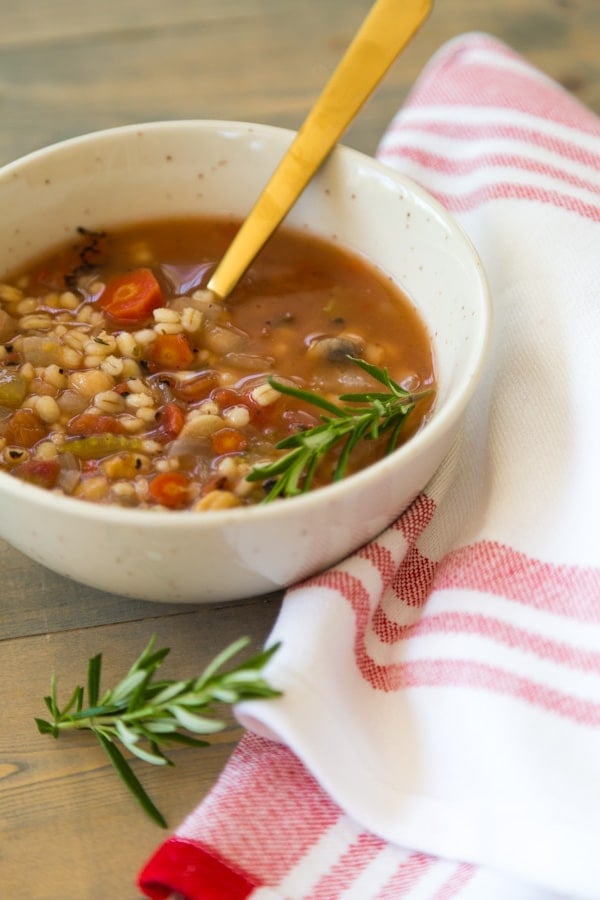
<point x="439" y="733"/>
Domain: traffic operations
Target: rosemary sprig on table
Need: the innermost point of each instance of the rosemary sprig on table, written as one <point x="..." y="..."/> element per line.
<point x="374" y="413"/>
<point x="148" y="716"/>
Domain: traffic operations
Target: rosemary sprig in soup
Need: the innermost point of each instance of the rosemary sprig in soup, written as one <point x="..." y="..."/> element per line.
<point x="372" y="415"/>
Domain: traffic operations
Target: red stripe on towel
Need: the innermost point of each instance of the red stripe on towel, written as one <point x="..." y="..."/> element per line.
<point x="514" y="160"/>
<point x="495" y="568"/>
<point x="488" y="567"/>
<point x="472" y="132"/>
<point x="500" y="80"/>
<point x="406" y="877"/>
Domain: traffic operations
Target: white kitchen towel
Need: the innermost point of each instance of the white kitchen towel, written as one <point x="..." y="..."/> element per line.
<point x="439" y="730"/>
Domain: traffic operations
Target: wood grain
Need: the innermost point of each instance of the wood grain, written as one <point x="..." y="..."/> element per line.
<point x="68" y="829"/>
<point x="70" y="67"/>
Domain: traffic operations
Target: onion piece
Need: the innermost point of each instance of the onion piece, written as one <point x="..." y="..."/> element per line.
<point x="72" y="402"/>
<point x="246" y="362"/>
<point x="185" y="278"/>
<point x="190" y="446"/>
<point x="70" y="473"/>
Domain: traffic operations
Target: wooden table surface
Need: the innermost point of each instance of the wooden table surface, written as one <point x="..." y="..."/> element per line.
<point x="68" y="829"/>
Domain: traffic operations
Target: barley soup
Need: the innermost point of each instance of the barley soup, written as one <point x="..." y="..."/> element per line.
<point x="123" y="380"/>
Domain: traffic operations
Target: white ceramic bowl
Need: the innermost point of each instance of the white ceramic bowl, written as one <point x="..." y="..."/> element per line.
<point x="165" y="169"/>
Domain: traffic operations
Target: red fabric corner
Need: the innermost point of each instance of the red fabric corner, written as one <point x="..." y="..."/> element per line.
<point x="194" y="871"/>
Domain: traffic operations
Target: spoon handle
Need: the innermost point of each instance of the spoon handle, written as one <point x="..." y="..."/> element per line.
<point x="387" y="28"/>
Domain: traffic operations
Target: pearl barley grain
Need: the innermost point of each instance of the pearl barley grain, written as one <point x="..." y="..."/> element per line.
<point x="47" y="409"/>
<point x="112" y="365"/>
<point x="109" y="402"/>
<point x="237" y="416"/>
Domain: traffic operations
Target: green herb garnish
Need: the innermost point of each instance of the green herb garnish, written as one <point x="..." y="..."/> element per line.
<point x="147" y="716"/>
<point x="373" y="414"/>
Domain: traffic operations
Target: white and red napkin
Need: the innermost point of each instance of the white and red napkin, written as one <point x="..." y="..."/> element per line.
<point x="439" y="733"/>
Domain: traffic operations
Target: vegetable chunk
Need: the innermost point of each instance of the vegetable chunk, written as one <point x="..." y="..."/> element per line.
<point x="131" y="298"/>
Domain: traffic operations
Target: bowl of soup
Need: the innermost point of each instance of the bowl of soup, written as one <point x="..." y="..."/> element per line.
<point x="159" y="443"/>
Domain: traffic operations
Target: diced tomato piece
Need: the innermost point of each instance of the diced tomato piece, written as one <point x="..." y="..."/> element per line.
<point x="89" y="465"/>
<point x="197" y="388"/>
<point x="259" y="415"/>
<point x="43" y="472"/>
<point x="88" y="423"/>
<point x="266" y="416"/>
<point x="24" y="429"/>
<point x="228" y="440"/>
<point x="170" y="351"/>
<point x="170" y="489"/>
<point x="131" y="298"/>
<point x="122" y="388"/>
<point x="227" y="397"/>
<point x="171" y="420"/>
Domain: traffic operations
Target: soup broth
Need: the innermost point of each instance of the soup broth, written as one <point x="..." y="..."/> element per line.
<point x="123" y="380"/>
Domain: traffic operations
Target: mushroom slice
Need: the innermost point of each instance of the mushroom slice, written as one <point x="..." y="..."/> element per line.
<point x="336" y="349"/>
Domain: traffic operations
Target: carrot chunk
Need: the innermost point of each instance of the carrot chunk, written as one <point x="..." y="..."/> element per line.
<point x="25" y="428"/>
<point x="88" y="423"/>
<point x="131" y="298"/>
<point x="228" y="440"/>
<point x="170" y="351"/>
<point x="170" y="489"/>
<point x="228" y="397"/>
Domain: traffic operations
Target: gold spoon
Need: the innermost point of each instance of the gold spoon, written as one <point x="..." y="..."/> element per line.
<point x="386" y="30"/>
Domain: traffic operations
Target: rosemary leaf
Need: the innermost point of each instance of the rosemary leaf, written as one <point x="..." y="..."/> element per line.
<point x="188" y="740"/>
<point x="221" y="658"/>
<point x="197" y="724"/>
<point x="138" y="694"/>
<point x="46" y="728"/>
<point x="170" y="692"/>
<point x="124" y="771"/>
<point x="93" y="682"/>
<point x="74" y="701"/>
<point x="128" y="686"/>
<point x="51" y="706"/>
